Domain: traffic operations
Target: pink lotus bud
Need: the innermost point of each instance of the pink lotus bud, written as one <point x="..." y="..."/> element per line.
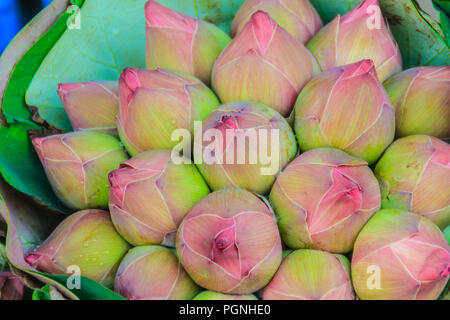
<point x="154" y="103"/>
<point x="311" y="275"/>
<point x="91" y="106"/>
<point x="230" y="243"/>
<point x="179" y="42"/>
<point x="150" y="195"/>
<point x="87" y="240"/>
<point x="414" y="175"/>
<point x="77" y="165"/>
<point x="11" y="286"/>
<point x="212" y="295"/>
<point x="421" y="99"/>
<point x="298" y="17"/>
<point x="323" y="199"/>
<point x="153" y="273"/>
<point x="346" y="108"/>
<point x="264" y="63"/>
<point x="254" y="144"/>
<point x="360" y="34"/>
<point x="400" y="256"/>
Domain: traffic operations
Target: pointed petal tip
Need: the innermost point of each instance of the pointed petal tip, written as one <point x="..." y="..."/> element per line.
<point x="32" y="258"/>
<point x="264" y="27"/>
<point x="363" y="9"/>
<point x="158" y="15"/>
<point x="360" y="68"/>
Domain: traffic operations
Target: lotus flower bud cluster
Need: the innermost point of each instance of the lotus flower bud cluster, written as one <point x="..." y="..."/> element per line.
<point x="264" y="63"/>
<point x="360" y="34"/>
<point x="254" y="144"/>
<point x="298" y="17"/>
<point x="323" y="199"/>
<point x="311" y="275"/>
<point x="91" y="106"/>
<point x="414" y="175"/>
<point x="211" y="295"/>
<point x="86" y="239"/>
<point x="421" y="99"/>
<point x="11" y="286"/>
<point x="400" y="256"/>
<point x="154" y="103"/>
<point x="153" y="273"/>
<point x="77" y="165"/>
<point x="346" y="108"/>
<point x="179" y="42"/>
<point x="230" y="243"/>
<point x="150" y="195"/>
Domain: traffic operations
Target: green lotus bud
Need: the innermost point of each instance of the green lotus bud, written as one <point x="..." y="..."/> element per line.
<point x="346" y="108"/>
<point x="252" y="144"/>
<point x="298" y="17"/>
<point x="150" y="195"/>
<point x="323" y="199"/>
<point x="229" y="242"/>
<point x="153" y="273"/>
<point x="177" y="41"/>
<point x="362" y="33"/>
<point x="414" y="175"/>
<point x="311" y="275"/>
<point x="86" y="240"/>
<point x="91" y="106"/>
<point x="421" y="99"/>
<point x="212" y="295"/>
<point x="264" y="63"/>
<point x="400" y="256"/>
<point x="77" y="165"/>
<point x="155" y="103"/>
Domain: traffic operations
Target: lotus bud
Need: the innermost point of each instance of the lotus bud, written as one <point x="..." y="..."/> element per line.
<point x="229" y="242"/>
<point x="77" y="165"/>
<point x="91" y="106"/>
<point x="11" y="286"/>
<point x="311" y="275"/>
<point x="323" y="199"/>
<point x="252" y="144"/>
<point x="155" y="103"/>
<point x="421" y="100"/>
<point x="264" y="63"/>
<point x="86" y="239"/>
<point x="360" y="34"/>
<point x="150" y="195"/>
<point x="153" y="273"/>
<point x="212" y="295"/>
<point x="346" y="108"/>
<point x="179" y="42"/>
<point x="414" y="175"/>
<point x="298" y="17"/>
<point x="400" y="256"/>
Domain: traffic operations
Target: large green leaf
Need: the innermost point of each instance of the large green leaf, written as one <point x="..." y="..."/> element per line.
<point x="21" y="168"/>
<point x="28" y="226"/>
<point x="14" y="107"/>
<point x="111" y="37"/>
<point x="328" y="9"/>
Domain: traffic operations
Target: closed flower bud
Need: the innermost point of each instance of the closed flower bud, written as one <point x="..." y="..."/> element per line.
<point x="153" y="273"/>
<point x="229" y="242"/>
<point x="91" y="106"/>
<point x="298" y="17"/>
<point x="87" y="240"/>
<point x="400" y="256"/>
<point x="264" y="63"/>
<point x="323" y="199"/>
<point x="311" y="275"/>
<point x="421" y="99"/>
<point x="346" y="108"/>
<point x="414" y="175"/>
<point x="179" y="42"/>
<point x="360" y="34"/>
<point x="77" y="165"/>
<point x="154" y="103"/>
<point x="212" y="295"/>
<point x="150" y="195"/>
